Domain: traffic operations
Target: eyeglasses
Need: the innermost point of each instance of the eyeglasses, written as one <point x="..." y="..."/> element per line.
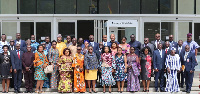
<point x="132" y="49"/>
<point x="187" y="48"/>
<point x="11" y="41"/>
<point x="90" y="49"/>
<point x="157" y="36"/>
<point x="78" y="49"/>
<point x="145" y="40"/>
<point x="53" y="44"/>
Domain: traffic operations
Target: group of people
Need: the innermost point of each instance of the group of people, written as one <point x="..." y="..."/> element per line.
<point x="75" y="63"/>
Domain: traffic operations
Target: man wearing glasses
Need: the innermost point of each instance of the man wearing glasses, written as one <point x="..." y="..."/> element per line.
<point x="157" y="41"/>
<point x="146" y="43"/>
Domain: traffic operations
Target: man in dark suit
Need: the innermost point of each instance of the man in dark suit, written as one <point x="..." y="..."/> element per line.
<point x="180" y="74"/>
<point x="28" y="42"/>
<point x="159" y="66"/>
<point x="167" y="48"/>
<point x="12" y="46"/>
<point x="16" y="60"/>
<point x="157" y="41"/>
<point x="20" y="41"/>
<point x="27" y="61"/>
<point x="105" y="43"/>
<point x="48" y="43"/>
<point x="136" y="44"/>
<point x="171" y="42"/>
<point x="98" y="53"/>
<point x="146" y="43"/>
<point x="93" y="44"/>
<point x="188" y="60"/>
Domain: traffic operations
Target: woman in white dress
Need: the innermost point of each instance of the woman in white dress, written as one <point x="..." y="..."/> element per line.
<point x="172" y="65"/>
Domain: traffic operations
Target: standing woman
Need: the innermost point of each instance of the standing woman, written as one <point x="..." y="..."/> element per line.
<point x="125" y="46"/>
<point x="78" y="65"/>
<point x="145" y="62"/>
<point x="173" y="65"/>
<point x="113" y="48"/>
<point x="108" y="66"/>
<point x="40" y="63"/>
<point x="6" y="68"/>
<point x="65" y="70"/>
<point x="134" y="69"/>
<point x="53" y="60"/>
<point x="121" y="69"/>
<point x="85" y="49"/>
<point x="91" y="65"/>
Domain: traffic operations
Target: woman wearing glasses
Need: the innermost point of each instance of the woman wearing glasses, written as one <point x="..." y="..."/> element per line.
<point x="78" y="64"/>
<point x="91" y="65"/>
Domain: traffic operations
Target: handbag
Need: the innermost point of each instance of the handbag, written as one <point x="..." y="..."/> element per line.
<point x="48" y="69"/>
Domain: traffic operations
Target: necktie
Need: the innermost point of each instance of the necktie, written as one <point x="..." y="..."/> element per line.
<point x="157" y="43"/>
<point x="160" y="53"/>
<point x="179" y="50"/>
<point x="18" y="54"/>
<point x="105" y="44"/>
<point x="166" y="51"/>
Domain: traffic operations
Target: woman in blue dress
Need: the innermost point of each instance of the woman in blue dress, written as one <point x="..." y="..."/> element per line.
<point x="173" y="65"/>
<point x="121" y="69"/>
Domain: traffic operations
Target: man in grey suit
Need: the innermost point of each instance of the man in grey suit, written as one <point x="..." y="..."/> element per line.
<point x="157" y="41"/>
<point x="146" y="43"/>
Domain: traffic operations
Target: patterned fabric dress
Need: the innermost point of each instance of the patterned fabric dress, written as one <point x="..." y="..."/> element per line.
<point x="65" y="66"/>
<point x="120" y="67"/>
<point x="53" y="57"/>
<point x="40" y="60"/>
<point x="113" y="52"/>
<point x="107" y="63"/>
<point x="145" y="67"/>
<point x="125" y="48"/>
<point x="133" y="83"/>
<point x="79" y="81"/>
<point x="173" y="63"/>
<point x="5" y="66"/>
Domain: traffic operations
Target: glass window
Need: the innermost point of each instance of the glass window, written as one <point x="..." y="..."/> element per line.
<point x="65" y="6"/>
<point x="86" y="6"/>
<point x="183" y="29"/>
<point x="10" y="29"/>
<point x="197" y="6"/>
<point x="43" y="29"/>
<point x="129" y="6"/>
<point x="149" y="6"/>
<point x="26" y="30"/>
<point x="45" y="6"/>
<point x="167" y="29"/>
<point x="108" y="6"/>
<point x="8" y="6"/>
<point x="27" y="6"/>
<point x="126" y="32"/>
<point x="66" y="29"/>
<point x="167" y="6"/>
<point x="83" y="27"/>
<point x="150" y="29"/>
<point x="186" y="7"/>
<point x="197" y="33"/>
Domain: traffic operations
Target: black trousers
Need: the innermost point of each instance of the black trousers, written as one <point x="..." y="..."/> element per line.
<point x="180" y="77"/>
<point x="28" y="81"/>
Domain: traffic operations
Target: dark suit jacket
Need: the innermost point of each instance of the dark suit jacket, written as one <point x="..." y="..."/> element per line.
<point x="16" y="62"/>
<point x="10" y="48"/>
<point x="108" y="44"/>
<point x="96" y="46"/>
<point x="162" y="42"/>
<point x="98" y="54"/>
<point x="23" y="43"/>
<point x="24" y="49"/>
<point x="190" y="61"/>
<point x="159" y="62"/>
<point x="174" y="44"/>
<point x="151" y="47"/>
<point x="27" y="61"/>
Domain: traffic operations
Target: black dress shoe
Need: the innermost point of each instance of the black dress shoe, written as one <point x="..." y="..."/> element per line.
<point x="19" y="91"/>
<point x="26" y="91"/>
<point x="185" y="91"/>
<point x="16" y="91"/>
<point x="188" y="91"/>
<point x="182" y="86"/>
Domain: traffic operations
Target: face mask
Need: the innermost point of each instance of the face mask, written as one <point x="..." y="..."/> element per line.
<point x="32" y="40"/>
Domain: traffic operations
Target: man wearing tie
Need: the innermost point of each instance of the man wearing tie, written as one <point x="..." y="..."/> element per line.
<point x="159" y="66"/>
<point x="188" y="61"/>
<point x="16" y="59"/>
<point x="172" y="43"/>
<point x="105" y="43"/>
<point x="146" y="43"/>
<point x="157" y="41"/>
<point x="12" y="48"/>
<point x="20" y="41"/>
<point x="93" y="44"/>
<point x="180" y="75"/>
<point x="167" y="48"/>
<point x="98" y="53"/>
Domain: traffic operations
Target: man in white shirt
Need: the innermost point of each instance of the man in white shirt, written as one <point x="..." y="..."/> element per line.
<point x="3" y="42"/>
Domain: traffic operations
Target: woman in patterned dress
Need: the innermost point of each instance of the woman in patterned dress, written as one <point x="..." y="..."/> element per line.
<point x="145" y="62"/>
<point x="107" y="64"/>
<point x="134" y="69"/>
<point x="6" y="68"/>
<point x="125" y="46"/>
<point x="78" y="65"/>
<point x="53" y="59"/>
<point x="113" y="48"/>
<point x="91" y="65"/>
<point x="173" y="65"/>
<point x="121" y="69"/>
<point x="65" y="71"/>
<point x="85" y="49"/>
<point x="40" y="63"/>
